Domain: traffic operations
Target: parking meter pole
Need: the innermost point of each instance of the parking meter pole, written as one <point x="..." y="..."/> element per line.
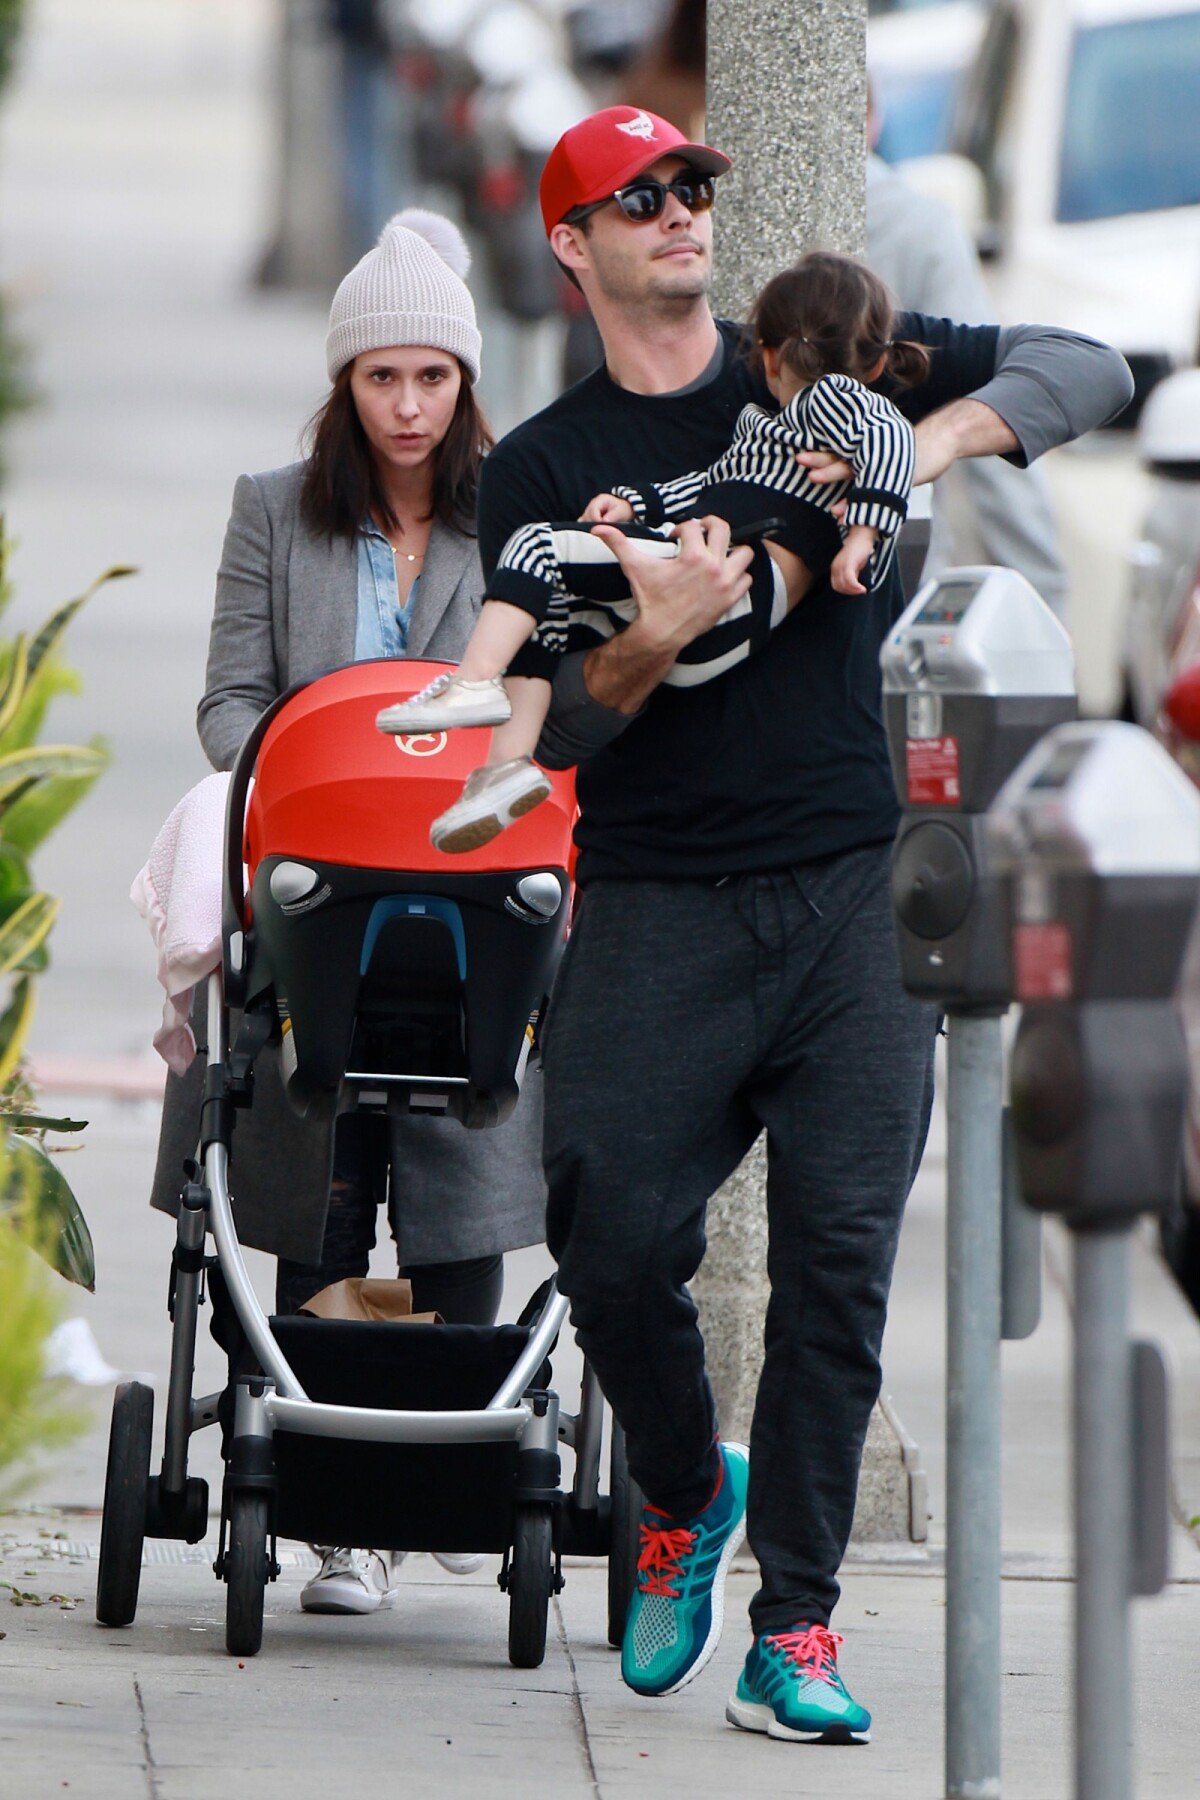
<point x="975" y="670"/>
<point x="1104" y="1451"/>
<point x="973" y="1190"/>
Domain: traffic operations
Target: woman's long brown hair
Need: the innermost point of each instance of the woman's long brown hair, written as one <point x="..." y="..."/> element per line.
<point x="341" y="484"/>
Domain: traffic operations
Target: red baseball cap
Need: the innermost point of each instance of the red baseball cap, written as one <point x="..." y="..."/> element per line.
<point x="608" y="149"/>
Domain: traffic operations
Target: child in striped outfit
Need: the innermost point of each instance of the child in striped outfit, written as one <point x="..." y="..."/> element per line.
<point x="822" y="330"/>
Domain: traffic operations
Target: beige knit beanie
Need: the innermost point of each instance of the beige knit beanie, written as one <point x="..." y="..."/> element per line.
<point x="408" y="290"/>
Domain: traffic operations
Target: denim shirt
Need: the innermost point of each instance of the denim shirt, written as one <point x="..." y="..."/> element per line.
<point x="381" y="627"/>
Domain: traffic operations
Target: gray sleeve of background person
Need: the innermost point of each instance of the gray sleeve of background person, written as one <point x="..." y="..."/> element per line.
<point x="1016" y="525"/>
<point x="930" y="263"/>
<point x="1011" y="507"/>
<point x="576" y="725"/>
<point x="242" y="678"/>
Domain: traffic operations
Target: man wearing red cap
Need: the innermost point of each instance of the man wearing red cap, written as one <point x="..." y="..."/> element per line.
<point x="733" y="965"/>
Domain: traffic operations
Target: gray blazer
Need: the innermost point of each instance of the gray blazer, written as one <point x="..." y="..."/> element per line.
<point x="286" y="610"/>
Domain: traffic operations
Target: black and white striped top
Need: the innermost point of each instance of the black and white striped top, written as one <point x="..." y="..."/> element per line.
<point x="836" y="413"/>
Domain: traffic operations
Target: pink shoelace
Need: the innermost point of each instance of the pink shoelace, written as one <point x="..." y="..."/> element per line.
<point x="661" y="1559"/>
<point x="814" y="1650"/>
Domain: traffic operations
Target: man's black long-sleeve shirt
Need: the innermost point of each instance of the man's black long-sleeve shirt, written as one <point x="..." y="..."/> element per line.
<point x="783" y="759"/>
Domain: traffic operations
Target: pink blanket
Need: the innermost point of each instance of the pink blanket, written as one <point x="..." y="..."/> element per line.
<point x="178" y="893"/>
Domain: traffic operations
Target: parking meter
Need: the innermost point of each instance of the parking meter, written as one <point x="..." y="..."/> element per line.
<point x="975" y="672"/>
<point x="1096" y="841"/>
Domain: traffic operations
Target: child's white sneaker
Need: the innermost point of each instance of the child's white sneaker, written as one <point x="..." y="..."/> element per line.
<point x="491" y="799"/>
<point x="448" y="701"/>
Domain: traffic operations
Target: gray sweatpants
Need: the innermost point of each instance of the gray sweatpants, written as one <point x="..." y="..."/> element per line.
<point x="686" y="1017"/>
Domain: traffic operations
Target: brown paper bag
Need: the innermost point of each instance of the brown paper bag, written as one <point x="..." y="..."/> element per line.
<point x="361" y="1297"/>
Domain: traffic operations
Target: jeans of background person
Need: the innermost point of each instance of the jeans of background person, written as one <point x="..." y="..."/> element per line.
<point x="373" y="182"/>
<point x="686" y="1017"/>
<point x="466" y="1292"/>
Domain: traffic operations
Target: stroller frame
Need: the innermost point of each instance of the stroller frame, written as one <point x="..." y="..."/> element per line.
<point x="542" y="1522"/>
<point x="173" y="1504"/>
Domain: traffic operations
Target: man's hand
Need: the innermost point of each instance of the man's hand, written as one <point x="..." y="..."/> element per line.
<point x="678" y="598"/>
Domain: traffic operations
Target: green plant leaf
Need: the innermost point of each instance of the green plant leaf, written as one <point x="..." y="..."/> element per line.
<point x="30" y="817"/>
<point x="16" y="883"/>
<point x="32" y="1415"/>
<point x="52" y="678"/>
<point x="24" y="931"/>
<point x="14" y="1023"/>
<point x="19" y="767"/>
<point x="51" y="635"/>
<point x="30" y="1121"/>
<point x="36" y="1189"/>
<point x="14" y="681"/>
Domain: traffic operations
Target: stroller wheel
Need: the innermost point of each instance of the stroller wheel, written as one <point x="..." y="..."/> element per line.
<point x="125" y="1489"/>
<point x="246" y="1573"/>
<point x="530" y="1583"/>
<point x="625" y="1516"/>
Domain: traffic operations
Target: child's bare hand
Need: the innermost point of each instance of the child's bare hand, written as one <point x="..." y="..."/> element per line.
<point x="824" y="467"/>
<point x="851" y="559"/>
<point x="606" y="509"/>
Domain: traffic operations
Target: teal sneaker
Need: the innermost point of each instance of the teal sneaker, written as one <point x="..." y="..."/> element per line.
<point x="678" y="1606"/>
<point x="790" y="1688"/>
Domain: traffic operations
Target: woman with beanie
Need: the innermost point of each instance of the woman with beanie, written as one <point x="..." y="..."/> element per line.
<point x="366" y="549"/>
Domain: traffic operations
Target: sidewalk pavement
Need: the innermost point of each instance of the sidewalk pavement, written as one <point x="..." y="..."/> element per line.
<point x="422" y="1696"/>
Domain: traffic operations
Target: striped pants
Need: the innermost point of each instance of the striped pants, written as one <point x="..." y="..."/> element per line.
<point x="570" y="582"/>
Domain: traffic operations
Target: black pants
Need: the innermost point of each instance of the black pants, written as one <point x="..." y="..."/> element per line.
<point x="465" y="1292"/>
<point x="686" y="1017"/>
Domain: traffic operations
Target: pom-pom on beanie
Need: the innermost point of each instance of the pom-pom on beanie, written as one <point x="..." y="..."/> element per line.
<point x="408" y="290"/>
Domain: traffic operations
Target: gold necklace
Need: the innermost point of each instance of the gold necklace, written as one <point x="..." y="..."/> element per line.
<point x="411" y="556"/>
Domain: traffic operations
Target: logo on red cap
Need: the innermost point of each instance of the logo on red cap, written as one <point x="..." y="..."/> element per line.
<point x="640" y="127"/>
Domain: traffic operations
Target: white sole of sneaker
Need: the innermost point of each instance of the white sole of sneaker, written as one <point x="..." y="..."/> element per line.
<point x="458" y="1563"/>
<point x="344" y="1599"/>
<point x="754" y="1715"/>
<point x="717" y="1623"/>
<point x="400" y="721"/>
<point x="455" y="839"/>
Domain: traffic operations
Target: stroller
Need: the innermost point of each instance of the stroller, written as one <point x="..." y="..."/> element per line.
<point x="390" y="977"/>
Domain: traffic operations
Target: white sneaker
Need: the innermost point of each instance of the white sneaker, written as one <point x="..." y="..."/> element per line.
<point x="458" y="1563"/>
<point x="348" y="1581"/>
<point x="491" y="799"/>
<point x="448" y="701"/>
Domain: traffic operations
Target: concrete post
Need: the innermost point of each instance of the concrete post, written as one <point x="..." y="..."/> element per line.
<point x="787" y="100"/>
<point x="305" y="246"/>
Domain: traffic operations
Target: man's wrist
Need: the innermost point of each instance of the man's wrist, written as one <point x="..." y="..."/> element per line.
<point x="623" y="673"/>
<point x="965" y="428"/>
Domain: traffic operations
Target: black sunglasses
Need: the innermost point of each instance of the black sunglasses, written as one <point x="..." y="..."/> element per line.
<point x="644" y="200"/>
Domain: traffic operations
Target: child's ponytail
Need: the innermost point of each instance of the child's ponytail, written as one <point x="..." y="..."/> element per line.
<point x="907" y="363"/>
<point x="807" y="359"/>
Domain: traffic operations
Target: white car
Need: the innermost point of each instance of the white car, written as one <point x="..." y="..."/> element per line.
<point x="1081" y="122"/>
<point x="918" y="58"/>
<point x="1161" y="682"/>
